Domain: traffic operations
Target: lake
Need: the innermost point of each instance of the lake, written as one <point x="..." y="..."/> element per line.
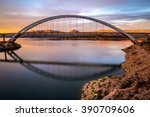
<point x="45" y="69"/>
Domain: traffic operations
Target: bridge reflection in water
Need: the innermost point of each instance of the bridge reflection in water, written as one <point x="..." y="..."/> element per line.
<point x="63" y="70"/>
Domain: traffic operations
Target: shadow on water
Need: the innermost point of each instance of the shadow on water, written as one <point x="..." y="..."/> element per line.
<point x="90" y="70"/>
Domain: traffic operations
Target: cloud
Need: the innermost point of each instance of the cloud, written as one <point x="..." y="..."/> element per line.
<point x="19" y="13"/>
<point x="126" y="17"/>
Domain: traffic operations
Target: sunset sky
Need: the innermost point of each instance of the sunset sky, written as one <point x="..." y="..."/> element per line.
<point x="126" y="14"/>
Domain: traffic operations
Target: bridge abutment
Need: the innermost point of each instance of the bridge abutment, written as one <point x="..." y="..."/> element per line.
<point x="10" y="46"/>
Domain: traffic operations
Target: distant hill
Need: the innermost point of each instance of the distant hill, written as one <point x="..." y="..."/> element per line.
<point x="74" y="31"/>
<point x="46" y="30"/>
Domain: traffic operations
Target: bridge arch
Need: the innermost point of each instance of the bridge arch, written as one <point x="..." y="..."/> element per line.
<point x="31" y="65"/>
<point x="13" y="39"/>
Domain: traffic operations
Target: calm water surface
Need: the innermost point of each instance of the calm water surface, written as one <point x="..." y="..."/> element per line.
<point x="57" y="69"/>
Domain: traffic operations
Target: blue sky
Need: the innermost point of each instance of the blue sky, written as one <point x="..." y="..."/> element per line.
<point x="134" y="14"/>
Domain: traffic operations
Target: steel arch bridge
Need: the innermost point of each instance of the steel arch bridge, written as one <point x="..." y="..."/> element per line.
<point x="17" y="35"/>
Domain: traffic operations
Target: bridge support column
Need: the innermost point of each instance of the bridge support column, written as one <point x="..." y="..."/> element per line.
<point x="5" y="56"/>
<point x="4" y="38"/>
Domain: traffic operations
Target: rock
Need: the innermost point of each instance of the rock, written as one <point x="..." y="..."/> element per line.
<point x="135" y="84"/>
<point x="98" y="89"/>
<point x="10" y="46"/>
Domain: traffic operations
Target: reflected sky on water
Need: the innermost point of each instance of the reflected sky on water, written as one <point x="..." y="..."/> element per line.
<point x="57" y="69"/>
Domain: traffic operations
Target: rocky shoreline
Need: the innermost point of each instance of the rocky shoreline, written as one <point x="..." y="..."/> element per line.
<point x="10" y="46"/>
<point x="135" y="84"/>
